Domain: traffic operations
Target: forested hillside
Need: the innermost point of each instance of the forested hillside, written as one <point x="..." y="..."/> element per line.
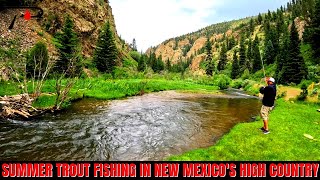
<point x="283" y="41"/>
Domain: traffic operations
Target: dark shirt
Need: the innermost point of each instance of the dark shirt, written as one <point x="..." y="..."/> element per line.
<point x="269" y="93"/>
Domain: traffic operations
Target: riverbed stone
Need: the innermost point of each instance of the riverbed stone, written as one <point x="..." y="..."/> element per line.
<point x="2" y="104"/>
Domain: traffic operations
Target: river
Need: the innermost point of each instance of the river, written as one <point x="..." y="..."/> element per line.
<point x="149" y="127"/>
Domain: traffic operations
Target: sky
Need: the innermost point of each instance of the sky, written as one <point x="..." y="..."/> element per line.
<point x="151" y="22"/>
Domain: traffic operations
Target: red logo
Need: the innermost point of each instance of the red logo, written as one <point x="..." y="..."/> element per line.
<point x="27" y="15"/>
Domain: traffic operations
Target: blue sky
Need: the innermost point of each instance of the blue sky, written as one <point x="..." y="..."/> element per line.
<point x="151" y="22"/>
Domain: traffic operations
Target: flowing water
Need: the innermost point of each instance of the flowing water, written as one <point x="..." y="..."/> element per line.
<point x="149" y="127"/>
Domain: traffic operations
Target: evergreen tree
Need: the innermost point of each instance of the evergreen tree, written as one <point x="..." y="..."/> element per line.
<point x="251" y="26"/>
<point x="283" y="59"/>
<point x="105" y="54"/>
<point x="274" y="16"/>
<point x="158" y="65"/>
<point x="142" y="63"/>
<point x="260" y="19"/>
<point x="235" y="66"/>
<point x="232" y="43"/>
<point x="289" y="6"/>
<point x="257" y="64"/>
<point x="210" y="64"/>
<point x="134" y="45"/>
<point x="168" y="65"/>
<point x="269" y="15"/>
<point x="294" y="70"/>
<point x="314" y="31"/>
<point x="280" y="25"/>
<point x="269" y="54"/>
<point x="242" y="53"/>
<point x="68" y="46"/>
<point x="223" y="58"/>
<point x="152" y="59"/>
<point x="249" y="55"/>
<point x="271" y="35"/>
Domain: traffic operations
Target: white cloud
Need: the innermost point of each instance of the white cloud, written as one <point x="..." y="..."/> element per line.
<point x="151" y="22"/>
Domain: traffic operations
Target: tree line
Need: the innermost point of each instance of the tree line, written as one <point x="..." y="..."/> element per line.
<point x="281" y="45"/>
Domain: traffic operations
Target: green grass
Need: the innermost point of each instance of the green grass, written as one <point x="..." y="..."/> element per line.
<point x="101" y="88"/>
<point x="286" y="142"/>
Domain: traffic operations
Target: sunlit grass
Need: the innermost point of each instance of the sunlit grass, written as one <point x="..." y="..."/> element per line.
<point x="107" y="89"/>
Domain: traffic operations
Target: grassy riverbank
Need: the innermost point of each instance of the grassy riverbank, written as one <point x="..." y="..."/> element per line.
<point x="100" y="88"/>
<point x="291" y="124"/>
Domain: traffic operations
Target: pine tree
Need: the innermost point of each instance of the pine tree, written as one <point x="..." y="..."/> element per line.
<point x="242" y="53"/>
<point x="269" y="54"/>
<point x="289" y="6"/>
<point x="294" y="70"/>
<point x="235" y="66"/>
<point x="142" y="63"/>
<point x="223" y="58"/>
<point x="249" y="55"/>
<point x="315" y="32"/>
<point x="283" y="59"/>
<point x="269" y="15"/>
<point x="257" y="64"/>
<point x="260" y="19"/>
<point x="158" y="64"/>
<point x="251" y="26"/>
<point x="134" y="45"/>
<point x="232" y="43"/>
<point x="105" y="54"/>
<point x="274" y="16"/>
<point x="168" y="65"/>
<point x="280" y="26"/>
<point x="210" y="64"/>
<point x="68" y="46"/>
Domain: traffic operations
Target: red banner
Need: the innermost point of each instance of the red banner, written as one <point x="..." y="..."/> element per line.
<point x="160" y="169"/>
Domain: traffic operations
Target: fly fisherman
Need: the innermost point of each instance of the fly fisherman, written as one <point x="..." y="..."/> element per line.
<point x="269" y="95"/>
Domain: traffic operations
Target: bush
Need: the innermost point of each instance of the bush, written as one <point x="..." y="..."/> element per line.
<point x="304" y="93"/>
<point x="121" y="73"/>
<point x="282" y="95"/>
<point x="246" y="74"/>
<point x="305" y="83"/>
<point x="237" y="84"/>
<point x="130" y="63"/>
<point x="314" y="73"/>
<point x="314" y="92"/>
<point x="135" y="55"/>
<point x="37" y="60"/>
<point x="222" y="81"/>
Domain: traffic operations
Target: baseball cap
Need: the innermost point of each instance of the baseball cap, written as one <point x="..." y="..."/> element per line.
<point x="271" y="80"/>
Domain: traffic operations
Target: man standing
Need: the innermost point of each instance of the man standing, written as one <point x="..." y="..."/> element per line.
<point x="269" y="96"/>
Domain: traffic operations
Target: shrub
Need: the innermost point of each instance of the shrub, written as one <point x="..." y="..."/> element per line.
<point x="305" y="83"/>
<point x="314" y="92"/>
<point x="135" y="55"/>
<point x="222" y="81"/>
<point x="304" y="93"/>
<point x="246" y="74"/>
<point x="130" y="63"/>
<point x="282" y="95"/>
<point x="37" y="60"/>
<point x="237" y="84"/>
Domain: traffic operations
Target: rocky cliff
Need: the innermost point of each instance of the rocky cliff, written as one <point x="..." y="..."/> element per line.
<point x="88" y="16"/>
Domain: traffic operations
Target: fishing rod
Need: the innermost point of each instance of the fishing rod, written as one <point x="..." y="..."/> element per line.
<point x="39" y="15"/>
<point x="264" y="71"/>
